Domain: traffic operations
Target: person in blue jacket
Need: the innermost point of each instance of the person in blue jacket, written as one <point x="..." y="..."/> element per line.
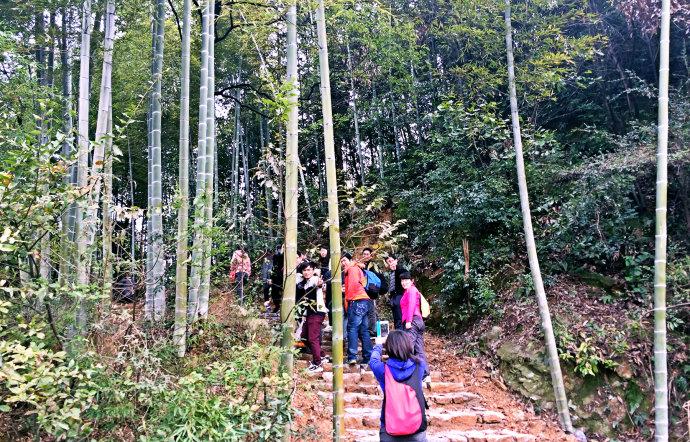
<point x="405" y="368"/>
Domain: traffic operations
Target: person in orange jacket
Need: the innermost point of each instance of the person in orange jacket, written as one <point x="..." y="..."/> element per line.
<point x="357" y="305"/>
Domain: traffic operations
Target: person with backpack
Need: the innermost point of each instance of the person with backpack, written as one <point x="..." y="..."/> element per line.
<point x="411" y="308"/>
<point x="395" y="289"/>
<point x="357" y="306"/>
<point x="368" y="265"/>
<point x="310" y="294"/>
<point x="403" y="413"/>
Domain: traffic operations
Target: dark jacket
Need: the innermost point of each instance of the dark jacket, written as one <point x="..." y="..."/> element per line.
<point x="398" y="290"/>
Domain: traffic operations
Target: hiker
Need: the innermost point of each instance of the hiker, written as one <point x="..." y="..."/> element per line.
<point x="240" y="271"/>
<point x="368" y="264"/>
<point x="411" y="307"/>
<point x="310" y="295"/>
<point x="357" y="306"/>
<point x="403" y="415"/>
<point x="266" y="269"/>
<point x="277" y="278"/>
<point x="395" y="289"/>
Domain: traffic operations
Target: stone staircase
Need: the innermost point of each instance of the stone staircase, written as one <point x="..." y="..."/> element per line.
<point x="454" y="414"/>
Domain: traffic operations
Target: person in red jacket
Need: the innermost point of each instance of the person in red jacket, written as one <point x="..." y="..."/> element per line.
<point x="411" y="306"/>
<point x="357" y="305"/>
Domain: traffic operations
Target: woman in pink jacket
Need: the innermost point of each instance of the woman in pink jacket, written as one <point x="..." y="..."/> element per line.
<point x="411" y="307"/>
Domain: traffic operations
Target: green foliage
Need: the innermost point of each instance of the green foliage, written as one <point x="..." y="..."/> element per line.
<point x="462" y="300"/>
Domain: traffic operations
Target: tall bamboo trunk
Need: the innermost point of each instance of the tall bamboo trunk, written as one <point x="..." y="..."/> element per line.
<point x="155" y="288"/>
<point x="552" y="352"/>
<point x="104" y="108"/>
<point x="107" y="225"/>
<point x="358" y="140"/>
<point x="333" y="227"/>
<point x="83" y="162"/>
<point x="660" y="363"/>
<point x="205" y="291"/>
<point x="235" y="159"/>
<point x="305" y="190"/>
<point x="180" y="328"/>
<point x="395" y="138"/>
<point x="267" y="190"/>
<point x="69" y="215"/>
<point x="199" y="211"/>
<point x="287" y="315"/>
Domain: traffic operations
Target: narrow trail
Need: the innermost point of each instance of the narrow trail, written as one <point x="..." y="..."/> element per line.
<point x="466" y="404"/>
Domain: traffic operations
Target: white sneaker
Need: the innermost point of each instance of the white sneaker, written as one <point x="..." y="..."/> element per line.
<point x="313" y="368"/>
<point x="427" y="381"/>
<point x="328" y="328"/>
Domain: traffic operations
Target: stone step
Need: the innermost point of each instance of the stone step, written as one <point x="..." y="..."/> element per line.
<point x="489" y="435"/>
<point x="375" y="400"/>
<point x="440" y="418"/>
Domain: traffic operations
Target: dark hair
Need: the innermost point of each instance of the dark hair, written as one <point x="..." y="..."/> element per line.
<point x="399" y="346"/>
<point x="347" y="255"/>
<point x="392" y="255"/>
<point x="405" y="275"/>
<point x="369" y="249"/>
<point x="306" y="264"/>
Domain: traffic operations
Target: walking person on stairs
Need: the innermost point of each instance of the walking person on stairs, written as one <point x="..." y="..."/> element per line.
<point x="310" y="295"/>
<point x="403" y="415"/>
<point x="395" y="289"/>
<point x="357" y="305"/>
<point x="411" y="307"/>
<point x="368" y="264"/>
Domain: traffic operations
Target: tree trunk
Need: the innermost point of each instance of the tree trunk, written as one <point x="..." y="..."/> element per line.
<point x="660" y="363"/>
<point x="205" y="291"/>
<point x="155" y="287"/>
<point x="267" y="190"/>
<point x="180" y="329"/>
<point x="554" y="364"/>
<point x="235" y="159"/>
<point x="333" y="228"/>
<point x="199" y="211"/>
<point x="353" y="93"/>
<point x="287" y="315"/>
<point x="310" y="212"/>
<point x="69" y="215"/>
<point x="107" y="227"/>
<point x="104" y="107"/>
<point x="83" y="162"/>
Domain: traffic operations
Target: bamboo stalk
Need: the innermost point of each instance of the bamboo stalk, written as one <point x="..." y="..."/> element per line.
<point x="660" y="356"/>
<point x="180" y="328"/>
<point x="333" y="227"/>
<point x="552" y="352"/>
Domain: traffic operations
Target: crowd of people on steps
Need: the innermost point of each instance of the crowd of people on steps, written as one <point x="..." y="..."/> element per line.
<point x="367" y="285"/>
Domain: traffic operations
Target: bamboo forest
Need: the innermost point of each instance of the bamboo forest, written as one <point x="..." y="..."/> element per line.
<point x="347" y="220"/>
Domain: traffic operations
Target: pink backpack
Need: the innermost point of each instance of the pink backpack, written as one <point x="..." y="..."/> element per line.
<point x="404" y="404"/>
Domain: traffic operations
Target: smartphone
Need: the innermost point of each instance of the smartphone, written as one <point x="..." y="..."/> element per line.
<point x="382" y="329"/>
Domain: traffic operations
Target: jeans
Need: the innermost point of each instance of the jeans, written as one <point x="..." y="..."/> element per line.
<point x="372" y="318"/>
<point x="240" y="277"/>
<point x="267" y="291"/>
<point x="417" y="334"/>
<point x="397" y="313"/>
<point x="358" y="327"/>
<point x="313" y="326"/>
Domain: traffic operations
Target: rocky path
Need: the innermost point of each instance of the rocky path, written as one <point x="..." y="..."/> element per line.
<point x="466" y="403"/>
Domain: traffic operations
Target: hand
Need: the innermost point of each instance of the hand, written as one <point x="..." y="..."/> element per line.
<point x="269" y="282"/>
<point x="408" y="325"/>
<point x="379" y="340"/>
